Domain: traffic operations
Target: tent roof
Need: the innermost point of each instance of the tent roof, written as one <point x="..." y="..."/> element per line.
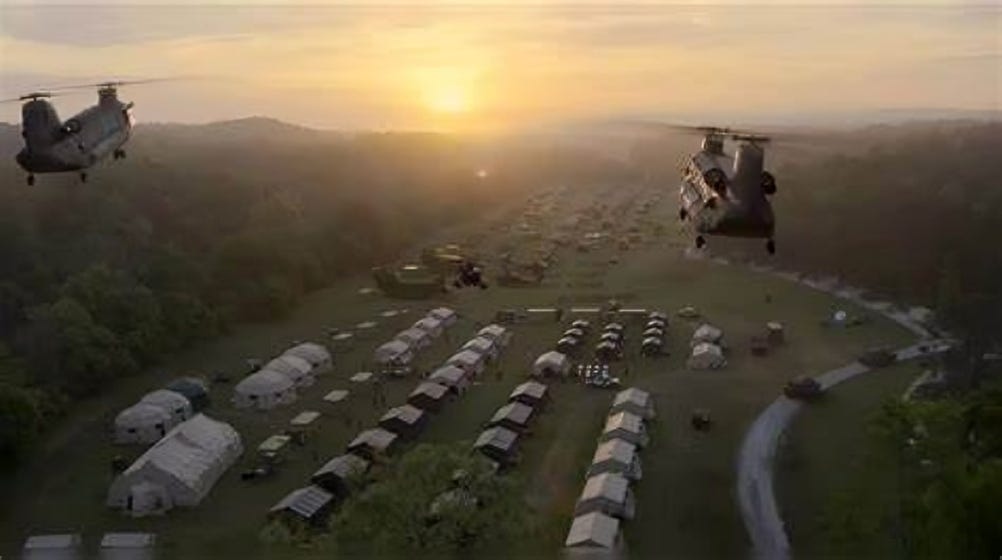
<point x="406" y="413"/>
<point x="166" y="399"/>
<point x="433" y="390"/>
<point x="552" y="358"/>
<point x="142" y="414"/>
<point x="624" y="421"/>
<point x="450" y="373"/>
<point x="499" y="437"/>
<point x="263" y="381"/>
<point x="493" y="331"/>
<point x="593" y="529"/>
<point x="466" y="357"/>
<point x="290" y="365"/>
<point x="616" y="450"/>
<point x="343" y="466"/>
<point x="530" y="388"/>
<point x="515" y="412"/>
<point x="608" y="486"/>
<point x="306" y="501"/>
<point x="428" y="323"/>
<point x="632" y="395"/>
<point x="311" y="352"/>
<point x="189" y="386"/>
<point x="393" y="348"/>
<point x="480" y="344"/>
<point x="708" y="333"/>
<point x="707" y="348"/>
<point x="412" y="335"/>
<point x="376" y="438"/>
<point x="441" y="313"/>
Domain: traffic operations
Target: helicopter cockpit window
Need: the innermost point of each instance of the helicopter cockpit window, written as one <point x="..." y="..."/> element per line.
<point x="71" y="126"/>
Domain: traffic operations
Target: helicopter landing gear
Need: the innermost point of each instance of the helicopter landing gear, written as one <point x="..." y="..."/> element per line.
<point x="31" y="180"/>
<point x="118" y="154"/>
<point x="83" y="176"/>
<point x="700" y="242"/>
<point x="682" y="214"/>
<point x="770" y="246"/>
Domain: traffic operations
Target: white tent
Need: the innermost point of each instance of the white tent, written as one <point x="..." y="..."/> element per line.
<point x="616" y="456"/>
<point x="317" y="355"/>
<point x="264" y="389"/>
<point x="706" y="356"/>
<point x="608" y="493"/>
<point x="707" y="333"/>
<point x="142" y="423"/>
<point x="551" y="363"/>
<point x="469" y="361"/>
<point x="179" y="470"/>
<point x="430" y="324"/>
<point x="594" y="530"/>
<point x="415" y="338"/>
<point x="625" y="426"/>
<point x="395" y="352"/>
<point x="636" y="401"/>
<point x="495" y="332"/>
<point x="297" y="369"/>
<point x="445" y="315"/>
<point x="176" y="404"/>
<point x="453" y="377"/>
<point x="482" y="345"/>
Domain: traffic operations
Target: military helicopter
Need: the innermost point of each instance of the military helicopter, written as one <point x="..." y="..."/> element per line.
<point x="728" y="195"/>
<point x="54" y="146"/>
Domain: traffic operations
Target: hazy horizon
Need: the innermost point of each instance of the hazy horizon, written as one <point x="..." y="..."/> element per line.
<point x="479" y="67"/>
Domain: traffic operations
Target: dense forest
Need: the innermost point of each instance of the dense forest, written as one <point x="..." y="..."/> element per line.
<point x="204" y="226"/>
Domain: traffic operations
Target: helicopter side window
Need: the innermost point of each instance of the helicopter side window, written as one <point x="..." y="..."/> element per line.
<point x="71" y="126"/>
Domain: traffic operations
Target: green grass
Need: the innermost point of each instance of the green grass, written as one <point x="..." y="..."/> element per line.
<point x="685" y="502"/>
<point x="837" y="483"/>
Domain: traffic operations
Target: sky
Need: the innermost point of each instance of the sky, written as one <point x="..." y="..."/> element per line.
<point x="477" y="66"/>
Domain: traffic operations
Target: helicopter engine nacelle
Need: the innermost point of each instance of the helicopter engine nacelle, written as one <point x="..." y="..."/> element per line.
<point x="40" y="124"/>
<point x="768" y="183"/>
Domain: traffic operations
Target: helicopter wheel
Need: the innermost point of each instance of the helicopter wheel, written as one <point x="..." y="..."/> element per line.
<point x="770" y="246"/>
<point x="700" y="242"/>
<point x="31" y="180"/>
<point x="83" y="177"/>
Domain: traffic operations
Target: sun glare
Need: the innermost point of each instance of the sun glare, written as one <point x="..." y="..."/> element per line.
<point x="448" y="99"/>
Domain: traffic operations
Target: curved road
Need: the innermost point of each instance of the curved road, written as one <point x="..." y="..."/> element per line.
<point x="756" y="498"/>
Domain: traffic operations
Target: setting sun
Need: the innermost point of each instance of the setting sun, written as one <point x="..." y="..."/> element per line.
<point x="450" y="99"/>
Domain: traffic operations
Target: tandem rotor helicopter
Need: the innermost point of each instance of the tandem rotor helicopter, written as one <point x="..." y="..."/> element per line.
<point x="54" y="146"/>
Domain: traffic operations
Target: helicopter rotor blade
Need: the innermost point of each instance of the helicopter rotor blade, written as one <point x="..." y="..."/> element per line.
<point x="29" y="97"/>
<point x="113" y="83"/>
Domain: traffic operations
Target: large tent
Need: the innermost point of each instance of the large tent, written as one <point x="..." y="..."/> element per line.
<point x="445" y="315"/>
<point x="406" y="421"/>
<point x="707" y="333"/>
<point x="706" y="356"/>
<point x="415" y="338"/>
<point x="594" y="530"/>
<point x="394" y="352"/>
<point x="470" y="361"/>
<point x="176" y="404"/>
<point x="335" y="474"/>
<point x="626" y="426"/>
<point x="495" y="332"/>
<point x="453" y="377"/>
<point x="142" y="423"/>
<point x="428" y="396"/>
<point x="515" y="416"/>
<point x="297" y="369"/>
<point x="430" y="324"/>
<point x="482" y="345"/>
<point x="316" y="354"/>
<point x="551" y="364"/>
<point x="616" y="456"/>
<point x="194" y="389"/>
<point x="530" y="393"/>
<point x="372" y="443"/>
<point x="179" y="470"/>
<point x="264" y="390"/>
<point x="498" y="443"/>
<point x="608" y="493"/>
<point x="633" y="400"/>
<point x="310" y="504"/>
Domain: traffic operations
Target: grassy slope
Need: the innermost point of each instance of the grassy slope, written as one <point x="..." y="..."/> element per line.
<point x="837" y="485"/>
<point x="686" y="505"/>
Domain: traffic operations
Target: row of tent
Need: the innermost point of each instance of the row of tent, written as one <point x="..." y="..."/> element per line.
<point x="607" y="499"/>
<point x="178" y="470"/>
<point x="652" y="341"/>
<point x="278" y="381"/>
<point x="407" y="343"/>
<point x="159" y="411"/>
<point x="114" y="546"/>
<point x="331" y="483"/>
<point x="499" y="441"/>
<point x="707" y="348"/>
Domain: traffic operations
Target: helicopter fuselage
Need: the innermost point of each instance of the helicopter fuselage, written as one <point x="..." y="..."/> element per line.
<point x="723" y="195"/>
<point x="52" y="146"/>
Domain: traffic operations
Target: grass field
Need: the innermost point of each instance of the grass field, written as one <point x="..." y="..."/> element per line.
<point x="685" y="502"/>
<point x="837" y="483"/>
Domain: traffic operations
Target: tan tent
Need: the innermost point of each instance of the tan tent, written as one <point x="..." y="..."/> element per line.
<point x="626" y="426"/>
<point x="608" y="493"/>
<point x="634" y="400"/>
<point x="594" y="530"/>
